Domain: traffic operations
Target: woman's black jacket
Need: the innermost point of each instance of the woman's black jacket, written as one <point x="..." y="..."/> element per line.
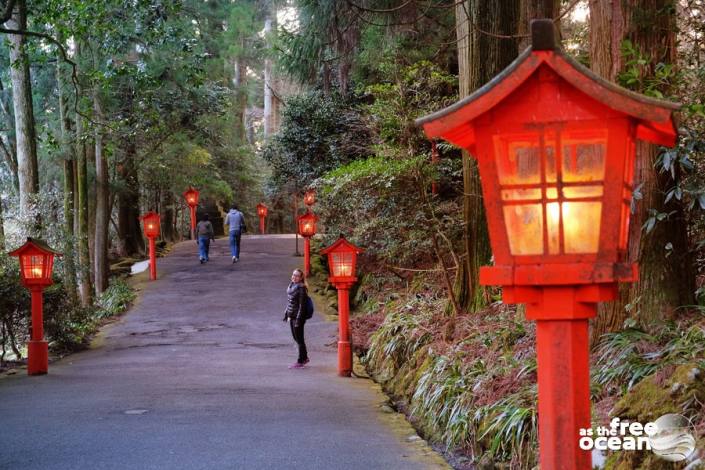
<point x="296" y="303"/>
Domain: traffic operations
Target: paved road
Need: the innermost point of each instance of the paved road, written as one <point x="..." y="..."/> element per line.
<point x="195" y="377"/>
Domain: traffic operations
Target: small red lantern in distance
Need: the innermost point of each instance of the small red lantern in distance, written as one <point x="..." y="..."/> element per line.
<point x="342" y="261"/>
<point x="307" y="224"/>
<point x="310" y="197"/>
<point x="261" y="210"/>
<point x="151" y="223"/>
<point x="191" y="196"/>
<point x="36" y="262"/>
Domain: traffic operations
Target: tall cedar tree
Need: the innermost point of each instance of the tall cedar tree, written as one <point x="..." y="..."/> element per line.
<point x="666" y="280"/>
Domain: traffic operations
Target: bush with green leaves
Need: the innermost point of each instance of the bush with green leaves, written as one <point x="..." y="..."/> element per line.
<point x="318" y="133"/>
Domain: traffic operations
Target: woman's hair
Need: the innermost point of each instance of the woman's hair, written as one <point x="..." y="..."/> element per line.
<point x="205" y="217"/>
<point x="303" y="277"/>
<point x="234" y="207"/>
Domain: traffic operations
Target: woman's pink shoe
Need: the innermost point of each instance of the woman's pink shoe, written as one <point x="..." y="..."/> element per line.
<point x="296" y="365"/>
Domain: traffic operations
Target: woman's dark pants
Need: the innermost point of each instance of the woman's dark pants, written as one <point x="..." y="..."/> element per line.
<point x="298" y="334"/>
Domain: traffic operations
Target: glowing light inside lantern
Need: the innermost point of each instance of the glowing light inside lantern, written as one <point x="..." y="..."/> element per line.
<point x="552" y="207"/>
<point x="342" y="264"/>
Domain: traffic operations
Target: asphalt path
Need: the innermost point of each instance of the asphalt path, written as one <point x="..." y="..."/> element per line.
<point x="195" y="376"/>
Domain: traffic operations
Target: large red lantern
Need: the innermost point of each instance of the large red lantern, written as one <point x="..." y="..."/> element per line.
<point x="151" y="225"/>
<point x="307" y="229"/>
<point x="36" y="267"/>
<point x="262" y="213"/>
<point x="310" y="197"/>
<point x="342" y="261"/>
<point x="555" y="146"/>
<point x="191" y="195"/>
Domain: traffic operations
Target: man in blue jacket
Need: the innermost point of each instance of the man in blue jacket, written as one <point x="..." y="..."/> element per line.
<point x="236" y="225"/>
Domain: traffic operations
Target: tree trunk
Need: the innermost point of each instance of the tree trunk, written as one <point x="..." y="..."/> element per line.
<point x="67" y="151"/>
<point x="2" y="228"/>
<point x="84" y="261"/>
<point x="535" y="9"/>
<point x="102" y="212"/>
<point x="240" y="88"/>
<point x="28" y="171"/>
<point x="270" y="100"/>
<point x="129" y="234"/>
<point x="666" y="279"/>
<point x="167" y="212"/>
<point x="480" y="58"/>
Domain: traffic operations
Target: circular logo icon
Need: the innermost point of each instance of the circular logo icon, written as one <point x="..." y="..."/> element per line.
<point x="673" y="440"/>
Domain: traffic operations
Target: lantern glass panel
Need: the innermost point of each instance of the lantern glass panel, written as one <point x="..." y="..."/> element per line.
<point x="342" y="264"/>
<point x="33" y="266"/>
<point x="551" y="208"/>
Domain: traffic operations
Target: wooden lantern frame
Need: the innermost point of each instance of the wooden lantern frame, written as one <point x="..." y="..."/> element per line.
<point x="342" y="253"/>
<point x="577" y="108"/>
<point x="307" y="224"/>
<point x="151" y="224"/>
<point x="36" y="262"/>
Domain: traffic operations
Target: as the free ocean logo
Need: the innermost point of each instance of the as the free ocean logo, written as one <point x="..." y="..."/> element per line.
<point x="671" y="437"/>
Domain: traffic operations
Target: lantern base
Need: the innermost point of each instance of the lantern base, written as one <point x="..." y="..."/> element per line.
<point x="344" y="359"/>
<point x="37" y="357"/>
<point x="558" y="274"/>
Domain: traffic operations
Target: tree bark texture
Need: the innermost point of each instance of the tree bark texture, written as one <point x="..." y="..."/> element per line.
<point x="480" y="57"/>
<point x="67" y="151"/>
<point x="535" y="9"/>
<point x="666" y="278"/>
<point x="240" y="88"/>
<point x="28" y="170"/>
<point x="84" y="260"/>
<point x="270" y="25"/>
<point x="129" y="234"/>
<point x="102" y="202"/>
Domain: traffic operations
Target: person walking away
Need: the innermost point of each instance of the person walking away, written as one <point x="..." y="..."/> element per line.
<point x="295" y="314"/>
<point x="204" y="235"/>
<point x="236" y="225"/>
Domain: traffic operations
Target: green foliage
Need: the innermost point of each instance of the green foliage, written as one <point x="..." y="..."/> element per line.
<point x="318" y="133"/>
<point x="475" y="391"/>
<point x="405" y="95"/>
<point x="626" y="357"/>
<point x="116" y="299"/>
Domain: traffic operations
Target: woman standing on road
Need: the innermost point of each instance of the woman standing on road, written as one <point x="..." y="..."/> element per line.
<point x="295" y="314"/>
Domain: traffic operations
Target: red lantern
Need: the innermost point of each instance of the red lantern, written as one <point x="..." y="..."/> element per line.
<point x="262" y="213"/>
<point x="342" y="259"/>
<point x="36" y="266"/>
<point x="555" y="146"/>
<point x="36" y="263"/>
<point x="310" y="197"/>
<point x="307" y="229"/>
<point x="191" y="195"/>
<point x="151" y="224"/>
<point x="151" y="227"/>
<point x="307" y="224"/>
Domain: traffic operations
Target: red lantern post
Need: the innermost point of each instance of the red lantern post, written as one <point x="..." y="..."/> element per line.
<point x="307" y="229"/>
<point x="555" y="146"/>
<point x="36" y="266"/>
<point x="342" y="260"/>
<point x="151" y="225"/>
<point x="192" y="195"/>
<point x="262" y="213"/>
<point x="310" y="197"/>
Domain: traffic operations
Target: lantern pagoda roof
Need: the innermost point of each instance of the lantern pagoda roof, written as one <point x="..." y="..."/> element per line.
<point x="34" y="243"/>
<point x="149" y="214"/>
<point x="341" y="244"/>
<point x="654" y="118"/>
<point x="308" y="215"/>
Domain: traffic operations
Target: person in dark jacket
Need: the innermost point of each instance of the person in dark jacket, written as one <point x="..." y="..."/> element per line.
<point x="295" y="314"/>
<point x="204" y="235"/>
